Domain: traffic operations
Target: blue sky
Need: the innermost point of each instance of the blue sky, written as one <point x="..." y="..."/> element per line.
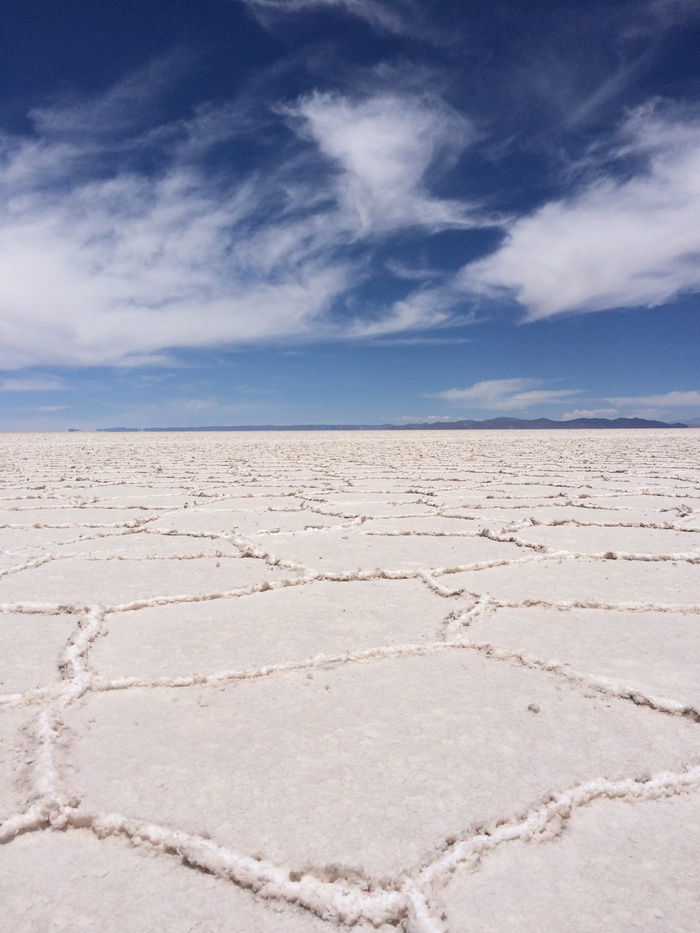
<point x="350" y="211"/>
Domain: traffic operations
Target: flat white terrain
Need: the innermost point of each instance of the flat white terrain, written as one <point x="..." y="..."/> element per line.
<point x="302" y="682"/>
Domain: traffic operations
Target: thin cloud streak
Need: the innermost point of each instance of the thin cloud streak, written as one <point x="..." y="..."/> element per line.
<point x="385" y="17"/>
<point x="32" y="384"/>
<point x="590" y="413"/>
<point x="667" y="400"/>
<point x="422" y="419"/>
<point x="610" y="88"/>
<point x="504" y="395"/>
<point x="662" y="407"/>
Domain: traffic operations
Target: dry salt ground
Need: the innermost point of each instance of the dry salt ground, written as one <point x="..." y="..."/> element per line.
<point x="301" y="683"/>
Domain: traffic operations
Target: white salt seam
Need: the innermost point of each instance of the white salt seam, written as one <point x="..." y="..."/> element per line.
<point x="555" y="813"/>
<point x="602" y="685"/>
<point x="344" y="901"/>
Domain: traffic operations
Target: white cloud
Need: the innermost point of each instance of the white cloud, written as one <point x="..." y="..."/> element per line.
<point x="383" y="16"/>
<point x="195" y="404"/>
<point x="504" y="394"/>
<point x="437" y="306"/>
<point x="103" y="265"/>
<point x="122" y="270"/>
<point x="667" y="400"/>
<point x="655" y="407"/>
<point x="618" y="242"/>
<point x="669" y="12"/>
<point x="418" y="311"/>
<point x="123" y="107"/>
<point x="590" y="413"/>
<point x="402" y="270"/>
<point x="422" y="419"/>
<point x="32" y="384"/>
<point x="385" y="146"/>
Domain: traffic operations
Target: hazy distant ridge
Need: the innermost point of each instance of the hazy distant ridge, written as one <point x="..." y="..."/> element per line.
<point x="545" y="424"/>
<point x="492" y="424"/>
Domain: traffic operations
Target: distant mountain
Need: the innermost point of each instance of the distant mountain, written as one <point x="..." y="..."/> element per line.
<point x="493" y="424"/>
<point x="542" y="424"/>
<point x="266" y="427"/>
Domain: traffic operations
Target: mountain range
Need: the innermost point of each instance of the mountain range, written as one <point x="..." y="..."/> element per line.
<point x="492" y="424"/>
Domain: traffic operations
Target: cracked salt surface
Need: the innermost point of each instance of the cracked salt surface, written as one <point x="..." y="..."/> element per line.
<point x="599" y="540"/>
<point x="252" y="631"/>
<point x="75" y="883"/>
<point x="30" y="646"/>
<point x="338" y="551"/>
<point x="617" y="869"/>
<point x="385" y="746"/>
<point x="572" y="577"/>
<point x="656" y="652"/>
<point x="371" y="679"/>
<point x="147" y="544"/>
<point x="13" y="761"/>
<point x="116" y="578"/>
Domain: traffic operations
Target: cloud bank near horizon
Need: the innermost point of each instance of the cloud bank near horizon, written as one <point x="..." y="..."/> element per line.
<point x="520" y="394"/>
<point x="504" y="395"/>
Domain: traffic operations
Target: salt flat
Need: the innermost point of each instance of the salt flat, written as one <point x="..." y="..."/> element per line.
<point x="433" y="681"/>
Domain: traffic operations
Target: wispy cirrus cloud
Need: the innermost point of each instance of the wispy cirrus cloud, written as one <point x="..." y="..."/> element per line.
<point x="384" y="146"/>
<point x="590" y="413"/>
<point x="126" y="106"/>
<point x="666" y="400"/>
<point x="119" y="245"/>
<point x="396" y="16"/>
<point x="666" y="405"/>
<point x="32" y="384"/>
<point x="504" y="395"/>
<point x="195" y="404"/>
<point x="422" y="419"/>
<point x="113" y="264"/>
<point x="670" y="12"/>
<point x="625" y="239"/>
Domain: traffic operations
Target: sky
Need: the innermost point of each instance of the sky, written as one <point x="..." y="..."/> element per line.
<point x="348" y="211"/>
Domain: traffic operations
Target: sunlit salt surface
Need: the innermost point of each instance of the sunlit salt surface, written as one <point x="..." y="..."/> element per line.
<point x="430" y="681"/>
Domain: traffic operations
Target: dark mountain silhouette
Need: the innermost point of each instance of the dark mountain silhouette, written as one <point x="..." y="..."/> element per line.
<point x="545" y="424"/>
<point x="493" y="424"/>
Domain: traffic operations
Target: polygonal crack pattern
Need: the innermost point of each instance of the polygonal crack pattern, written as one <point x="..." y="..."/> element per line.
<point x="380" y="680"/>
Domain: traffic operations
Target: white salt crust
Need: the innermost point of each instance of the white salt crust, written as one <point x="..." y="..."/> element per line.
<point x="75" y="882"/>
<point x="656" y="652"/>
<point x="258" y="629"/>
<point x="30" y="646"/>
<point x="615" y="869"/>
<point x="384" y="746"/>
<point x="401" y="768"/>
<point x="15" y="761"/>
